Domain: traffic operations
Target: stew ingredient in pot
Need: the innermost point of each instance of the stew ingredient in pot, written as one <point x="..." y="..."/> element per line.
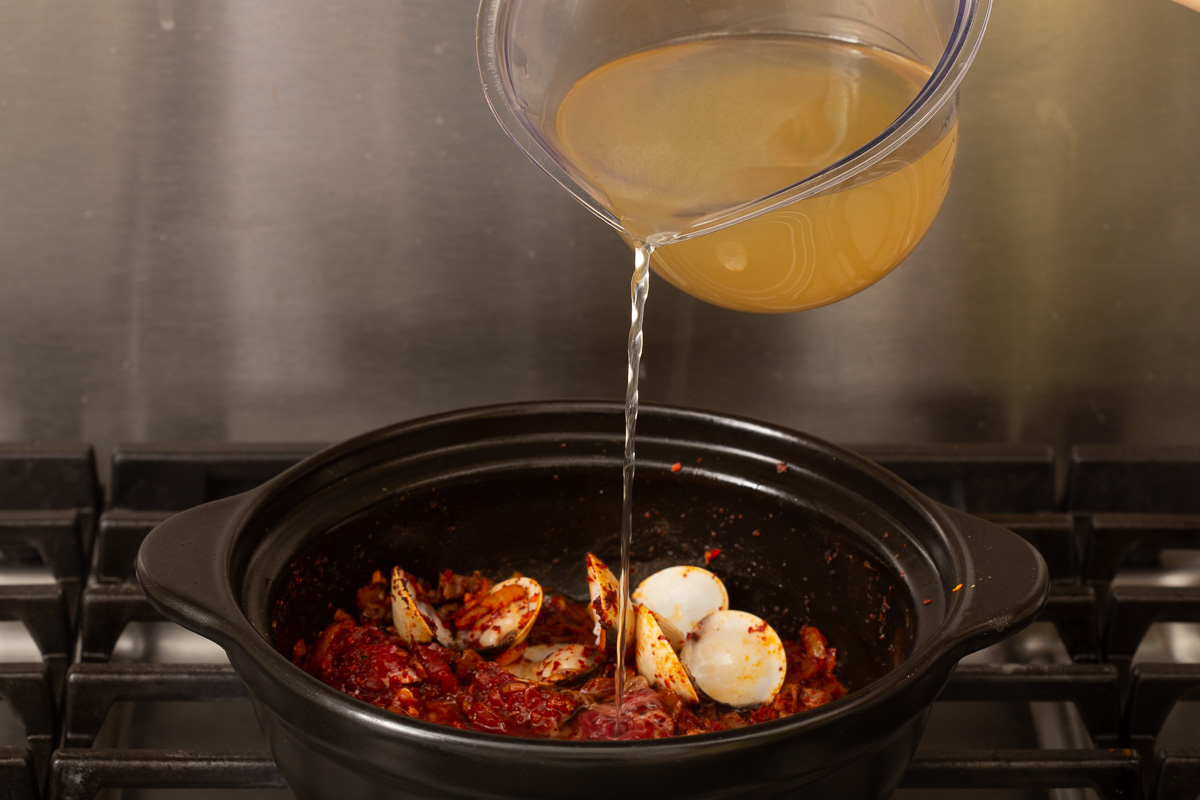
<point x="508" y="658"/>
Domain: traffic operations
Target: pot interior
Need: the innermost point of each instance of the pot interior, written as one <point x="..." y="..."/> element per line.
<point x="796" y="549"/>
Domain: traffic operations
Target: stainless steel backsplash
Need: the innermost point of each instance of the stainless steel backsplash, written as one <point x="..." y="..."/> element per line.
<point x="297" y="220"/>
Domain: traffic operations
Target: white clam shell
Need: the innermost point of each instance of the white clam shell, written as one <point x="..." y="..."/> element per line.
<point x="555" y="663"/>
<point x="735" y="658"/>
<point x="604" y="596"/>
<point x="604" y="592"/>
<point x="507" y="624"/>
<point x="656" y="659"/>
<point x="564" y="662"/>
<point x="680" y="597"/>
<point x="415" y="621"/>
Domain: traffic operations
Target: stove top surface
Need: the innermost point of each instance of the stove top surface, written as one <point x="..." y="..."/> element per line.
<point x="1095" y="700"/>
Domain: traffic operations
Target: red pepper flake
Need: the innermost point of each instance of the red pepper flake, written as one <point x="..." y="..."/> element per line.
<point x="927" y="601"/>
<point x="676" y="467"/>
<point x="956" y="588"/>
<point x="756" y="532"/>
<point x="709" y="555"/>
<point x="780" y="467"/>
<point x="699" y="459"/>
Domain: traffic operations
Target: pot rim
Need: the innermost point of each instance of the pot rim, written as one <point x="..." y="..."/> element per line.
<point x="259" y="662"/>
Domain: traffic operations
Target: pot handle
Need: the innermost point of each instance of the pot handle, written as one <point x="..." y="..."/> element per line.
<point x="1006" y="590"/>
<point x="183" y="566"/>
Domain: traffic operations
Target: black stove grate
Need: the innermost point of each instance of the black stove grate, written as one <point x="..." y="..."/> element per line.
<point x="1120" y="507"/>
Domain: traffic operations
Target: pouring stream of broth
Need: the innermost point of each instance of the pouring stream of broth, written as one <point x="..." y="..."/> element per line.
<point x="639" y="287"/>
<point x="682" y="131"/>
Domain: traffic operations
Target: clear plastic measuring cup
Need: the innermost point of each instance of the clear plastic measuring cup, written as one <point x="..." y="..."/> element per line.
<point x="782" y="239"/>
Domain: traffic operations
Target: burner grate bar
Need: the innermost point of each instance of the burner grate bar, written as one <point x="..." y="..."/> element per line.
<point x="1074" y="612"/>
<point x="1154" y="691"/>
<point x="1116" y="536"/>
<point x="44" y="477"/>
<point x="157" y="478"/>
<point x="1094" y="689"/>
<point x="976" y="477"/>
<point x="17" y="773"/>
<point x="55" y="536"/>
<point x="78" y="774"/>
<point x="107" y="609"/>
<point x="1133" y="479"/>
<point x="1177" y="776"/>
<point x="92" y="689"/>
<point x="118" y="538"/>
<point x="1133" y="609"/>
<point x="26" y="687"/>
<point x="42" y="609"/>
<point x="1113" y="774"/>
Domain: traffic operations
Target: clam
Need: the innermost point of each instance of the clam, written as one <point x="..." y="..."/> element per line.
<point x="501" y="618"/>
<point x="656" y="659"/>
<point x="604" y="592"/>
<point x="552" y="663"/>
<point x="415" y="620"/>
<point x="735" y="658"/>
<point x="564" y="662"/>
<point x="680" y="597"/>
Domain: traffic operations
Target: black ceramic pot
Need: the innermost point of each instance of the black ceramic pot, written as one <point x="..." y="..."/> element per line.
<point x="808" y="533"/>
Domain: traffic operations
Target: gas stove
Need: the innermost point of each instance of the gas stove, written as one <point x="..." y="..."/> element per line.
<point x="1098" y="699"/>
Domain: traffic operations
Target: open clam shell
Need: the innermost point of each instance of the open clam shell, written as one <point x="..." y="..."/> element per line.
<point x="563" y="663"/>
<point x="554" y="663"/>
<point x="656" y="659"/>
<point x="604" y="591"/>
<point x="735" y="658"/>
<point x="415" y="621"/>
<point x="501" y="618"/>
<point x="680" y="597"/>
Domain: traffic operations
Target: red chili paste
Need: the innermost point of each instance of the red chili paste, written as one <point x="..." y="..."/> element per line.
<point x="362" y="657"/>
